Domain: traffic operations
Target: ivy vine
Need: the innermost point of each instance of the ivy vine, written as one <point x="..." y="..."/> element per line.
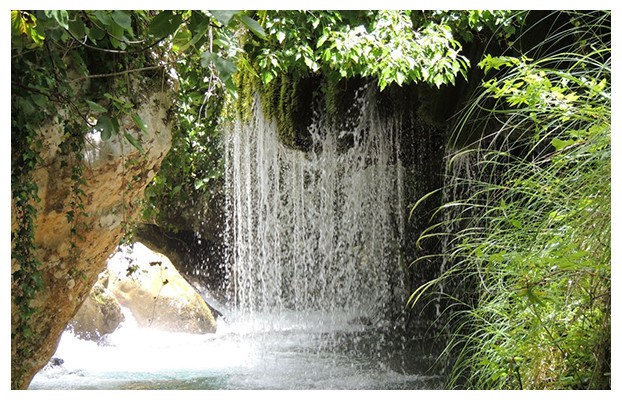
<point x="79" y="61"/>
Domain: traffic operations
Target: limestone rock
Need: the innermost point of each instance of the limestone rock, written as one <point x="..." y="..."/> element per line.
<point x="99" y="315"/>
<point x="148" y="285"/>
<point x="116" y="175"/>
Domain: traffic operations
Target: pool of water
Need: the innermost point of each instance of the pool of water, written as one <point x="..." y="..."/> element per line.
<point x="285" y="351"/>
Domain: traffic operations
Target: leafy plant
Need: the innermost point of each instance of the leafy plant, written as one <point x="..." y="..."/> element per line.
<point x="391" y="46"/>
<point x="527" y="237"/>
<point x="72" y="67"/>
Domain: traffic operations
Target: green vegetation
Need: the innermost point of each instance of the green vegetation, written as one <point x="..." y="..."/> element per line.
<point x="390" y="47"/>
<point x="527" y="239"/>
<point x="530" y="263"/>
<point x="205" y="52"/>
<point x="74" y="69"/>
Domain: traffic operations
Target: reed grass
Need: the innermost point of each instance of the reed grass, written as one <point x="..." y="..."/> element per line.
<point x="526" y="282"/>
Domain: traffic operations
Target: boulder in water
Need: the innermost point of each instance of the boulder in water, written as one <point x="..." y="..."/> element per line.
<point x="100" y="314"/>
<point x="150" y="286"/>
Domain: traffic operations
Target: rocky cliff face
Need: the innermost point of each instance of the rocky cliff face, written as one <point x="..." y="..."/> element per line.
<point x="100" y="314"/>
<point x="116" y="174"/>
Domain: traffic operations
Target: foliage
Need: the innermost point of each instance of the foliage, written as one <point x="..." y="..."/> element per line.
<point x="72" y="68"/>
<point x="330" y="47"/>
<point x="193" y="169"/>
<point x="533" y="239"/>
<point x="391" y="46"/>
<point x="278" y="50"/>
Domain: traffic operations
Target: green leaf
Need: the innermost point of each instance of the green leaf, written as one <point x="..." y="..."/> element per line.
<point x="165" y="23"/>
<point x="26" y="23"/>
<point x="182" y="40"/>
<point x="533" y="298"/>
<point x="18" y="24"/>
<point x="96" y="107"/>
<point x="321" y="40"/>
<point x="96" y="34"/>
<point x="117" y="36"/>
<point x="104" y="123"/>
<point x="197" y="20"/>
<point x="231" y="86"/>
<point x="224" y="16"/>
<point x="40" y="100"/>
<point x="103" y="17"/>
<point x="115" y="125"/>
<point x="198" y="33"/>
<point x="399" y="77"/>
<point x="225" y="68"/>
<point x="134" y="142"/>
<point x="266" y="77"/>
<point x="490" y="62"/>
<point x="252" y="25"/>
<point x="561" y="144"/>
<point x="439" y="80"/>
<point x="61" y="17"/>
<point x="198" y="184"/>
<point x="516" y="223"/>
<point x="77" y="28"/>
<point x="79" y="63"/>
<point x="123" y="19"/>
<point x="139" y="122"/>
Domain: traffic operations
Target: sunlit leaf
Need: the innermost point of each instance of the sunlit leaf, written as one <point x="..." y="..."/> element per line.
<point x="252" y="25"/>
<point x="18" y="24"/>
<point x="561" y="144"/>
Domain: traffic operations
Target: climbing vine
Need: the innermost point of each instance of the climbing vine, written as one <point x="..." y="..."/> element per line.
<point x="71" y="68"/>
<point x="72" y="151"/>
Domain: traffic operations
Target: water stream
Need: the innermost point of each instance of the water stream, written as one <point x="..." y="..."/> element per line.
<point x="278" y="353"/>
<point x="316" y="284"/>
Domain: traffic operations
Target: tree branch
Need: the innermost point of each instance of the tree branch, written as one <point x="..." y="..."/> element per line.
<point x="152" y="67"/>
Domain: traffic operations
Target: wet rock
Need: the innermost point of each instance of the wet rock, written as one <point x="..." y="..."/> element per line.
<point x="56" y="362"/>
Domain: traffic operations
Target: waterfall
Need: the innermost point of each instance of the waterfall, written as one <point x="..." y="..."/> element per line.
<point x="318" y="230"/>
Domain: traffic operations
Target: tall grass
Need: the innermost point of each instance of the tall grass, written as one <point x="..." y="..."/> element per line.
<point x="526" y="274"/>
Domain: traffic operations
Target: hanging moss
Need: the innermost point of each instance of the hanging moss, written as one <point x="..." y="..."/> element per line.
<point x="285" y="100"/>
